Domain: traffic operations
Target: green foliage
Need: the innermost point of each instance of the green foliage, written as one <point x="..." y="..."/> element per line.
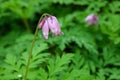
<point x="82" y="53"/>
<point x="15" y="66"/>
<point x="23" y="9"/>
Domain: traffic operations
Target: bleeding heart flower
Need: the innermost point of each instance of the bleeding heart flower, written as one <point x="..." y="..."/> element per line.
<point x="54" y="26"/>
<point x="50" y="23"/>
<point x="45" y="30"/>
<point x="92" y="19"/>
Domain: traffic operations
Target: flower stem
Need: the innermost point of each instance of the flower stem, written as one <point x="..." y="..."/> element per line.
<point x="30" y="55"/>
<point x="33" y="42"/>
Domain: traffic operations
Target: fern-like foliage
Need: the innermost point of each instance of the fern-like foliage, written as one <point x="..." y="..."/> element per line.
<point x="15" y="66"/>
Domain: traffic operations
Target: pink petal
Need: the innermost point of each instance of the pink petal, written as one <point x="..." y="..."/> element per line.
<point x="89" y="17"/>
<point x="92" y="19"/>
<point x="45" y="30"/>
<point x="41" y="24"/>
<point x="54" y="25"/>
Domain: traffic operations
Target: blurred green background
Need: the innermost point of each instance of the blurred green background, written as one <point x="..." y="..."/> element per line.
<point x="82" y="53"/>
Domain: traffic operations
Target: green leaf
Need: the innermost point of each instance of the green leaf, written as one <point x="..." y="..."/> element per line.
<point x="60" y="64"/>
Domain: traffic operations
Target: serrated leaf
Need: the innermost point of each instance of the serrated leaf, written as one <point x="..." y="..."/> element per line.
<point x="10" y="59"/>
<point x="59" y="64"/>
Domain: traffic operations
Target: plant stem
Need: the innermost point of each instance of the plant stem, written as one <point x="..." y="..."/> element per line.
<point x="30" y="55"/>
<point x="33" y="42"/>
<point x="26" y="25"/>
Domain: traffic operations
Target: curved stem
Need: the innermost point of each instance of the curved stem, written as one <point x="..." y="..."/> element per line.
<point x="30" y="55"/>
<point x="33" y="42"/>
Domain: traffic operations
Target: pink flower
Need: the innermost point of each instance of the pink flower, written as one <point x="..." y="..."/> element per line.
<point x="45" y="29"/>
<point x="54" y="26"/>
<point x="92" y="19"/>
<point x="50" y="23"/>
<point x="41" y="24"/>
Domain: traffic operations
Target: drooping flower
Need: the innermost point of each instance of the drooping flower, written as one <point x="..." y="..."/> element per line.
<point x="45" y="29"/>
<point x="92" y="19"/>
<point x="54" y="26"/>
<point x="50" y="23"/>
